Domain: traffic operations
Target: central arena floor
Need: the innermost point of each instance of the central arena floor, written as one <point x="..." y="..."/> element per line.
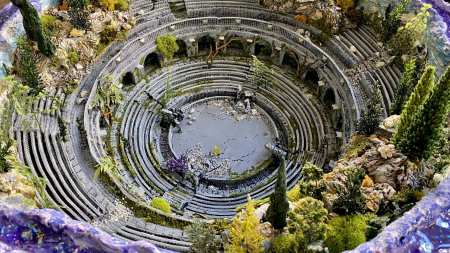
<point x="241" y="137"/>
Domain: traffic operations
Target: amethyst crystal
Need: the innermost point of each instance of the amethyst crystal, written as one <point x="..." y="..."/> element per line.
<point x="48" y="230"/>
<point x="178" y="165"/>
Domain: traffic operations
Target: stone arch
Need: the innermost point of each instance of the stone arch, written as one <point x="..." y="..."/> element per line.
<point x="290" y="59"/>
<point x="312" y="76"/>
<point x="152" y="61"/>
<point x="329" y="98"/>
<point x="235" y="45"/>
<point x="182" y="49"/>
<point x="128" y="79"/>
<point x="263" y="48"/>
<point x="205" y="43"/>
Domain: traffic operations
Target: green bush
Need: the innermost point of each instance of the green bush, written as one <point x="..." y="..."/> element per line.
<point x="294" y="194"/>
<point x="286" y="243"/>
<point x="167" y="45"/>
<point x="26" y="66"/>
<point x="161" y="204"/>
<point x="350" y="199"/>
<point x="49" y="23"/>
<point x="371" y="117"/>
<point x="308" y="218"/>
<point x="73" y="56"/>
<point x="112" y="5"/>
<point x="346" y="232"/>
<point x="204" y="238"/>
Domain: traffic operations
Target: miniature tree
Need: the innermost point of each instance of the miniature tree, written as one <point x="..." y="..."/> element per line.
<point x="310" y="184"/>
<point x="407" y="82"/>
<point x="418" y="97"/>
<point x="33" y="27"/>
<point x="392" y="21"/>
<point x="260" y="73"/>
<point x="167" y="46"/>
<point x="371" y="117"/>
<point x="244" y="232"/>
<point x="411" y="33"/>
<point x="279" y="204"/>
<point x="425" y="130"/>
<point x="308" y="219"/>
<point x="79" y="16"/>
<point x="350" y="199"/>
<point x="26" y="68"/>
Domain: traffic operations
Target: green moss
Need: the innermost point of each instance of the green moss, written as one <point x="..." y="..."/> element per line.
<point x="346" y="232"/>
<point x="286" y="243"/>
<point x="73" y="56"/>
<point x="161" y="204"/>
<point x="254" y="170"/>
<point x="357" y="145"/>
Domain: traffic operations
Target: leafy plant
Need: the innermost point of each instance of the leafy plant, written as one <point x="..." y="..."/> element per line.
<point x="260" y="73"/>
<point x="310" y="184"/>
<point x="279" y="205"/>
<point x="107" y="97"/>
<point x="371" y="117"/>
<point x="167" y="46"/>
<point x="350" y="199"/>
<point x="161" y="204"/>
<point x="244" y="232"/>
<point x="112" y="5"/>
<point x="216" y="151"/>
<point x="391" y="21"/>
<point x="79" y="16"/>
<point x="26" y="66"/>
<point x="346" y="232"/>
<point x="178" y="165"/>
<point x="286" y="243"/>
<point x="407" y="83"/>
<point x="106" y="167"/>
<point x="407" y="36"/>
<point x="204" y="238"/>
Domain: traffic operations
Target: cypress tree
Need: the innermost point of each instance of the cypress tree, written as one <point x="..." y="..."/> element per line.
<point x="27" y="69"/>
<point x="426" y="128"/>
<point x="279" y="205"/>
<point x="371" y="117"/>
<point x="407" y="82"/>
<point x="418" y="97"/>
<point x="33" y="27"/>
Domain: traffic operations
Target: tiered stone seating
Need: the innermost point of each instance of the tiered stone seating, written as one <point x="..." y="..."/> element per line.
<point x="68" y="166"/>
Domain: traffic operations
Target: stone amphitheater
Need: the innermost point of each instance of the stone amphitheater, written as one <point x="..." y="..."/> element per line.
<point x="317" y="96"/>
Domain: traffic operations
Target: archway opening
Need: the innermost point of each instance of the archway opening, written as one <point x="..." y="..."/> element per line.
<point x="152" y="62"/>
<point x="128" y="79"/>
<point x="329" y="98"/>
<point x="263" y="49"/>
<point x="312" y="76"/>
<point x="182" y="49"/>
<point x="206" y="43"/>
<point x="290" y="60"/>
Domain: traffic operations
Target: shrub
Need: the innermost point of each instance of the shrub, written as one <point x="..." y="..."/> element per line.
<point x="161" y="204"/>
<point x="79" y="16"/>
<point x="167" y="46"/>
<point x="407" y="83"/>
<point x="106" y="167"/>
<point x="345" y="232"/>
<point x="244" y="232"/>
<point x="371" y="117"/>
<point x="356" y="147"/>
<point x="391" y="21"/>
<point x="286" y="243"/>
<point x="350" y="199"/>
<point x="49" y="23"/>
<point x="26" y="66"/>
<point x="426" y="129"/>
<point x="114" y="4"/>
<point x="279" y="205"/>
<point x="294" y="193"/>
<point x="345" y="4"/>
<point x="260" y="73"/>
<point x="407" y="36"/>
<point x="308" y="218"/>
<point x="204" y="238"/>
<point x="73" y="56"/>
